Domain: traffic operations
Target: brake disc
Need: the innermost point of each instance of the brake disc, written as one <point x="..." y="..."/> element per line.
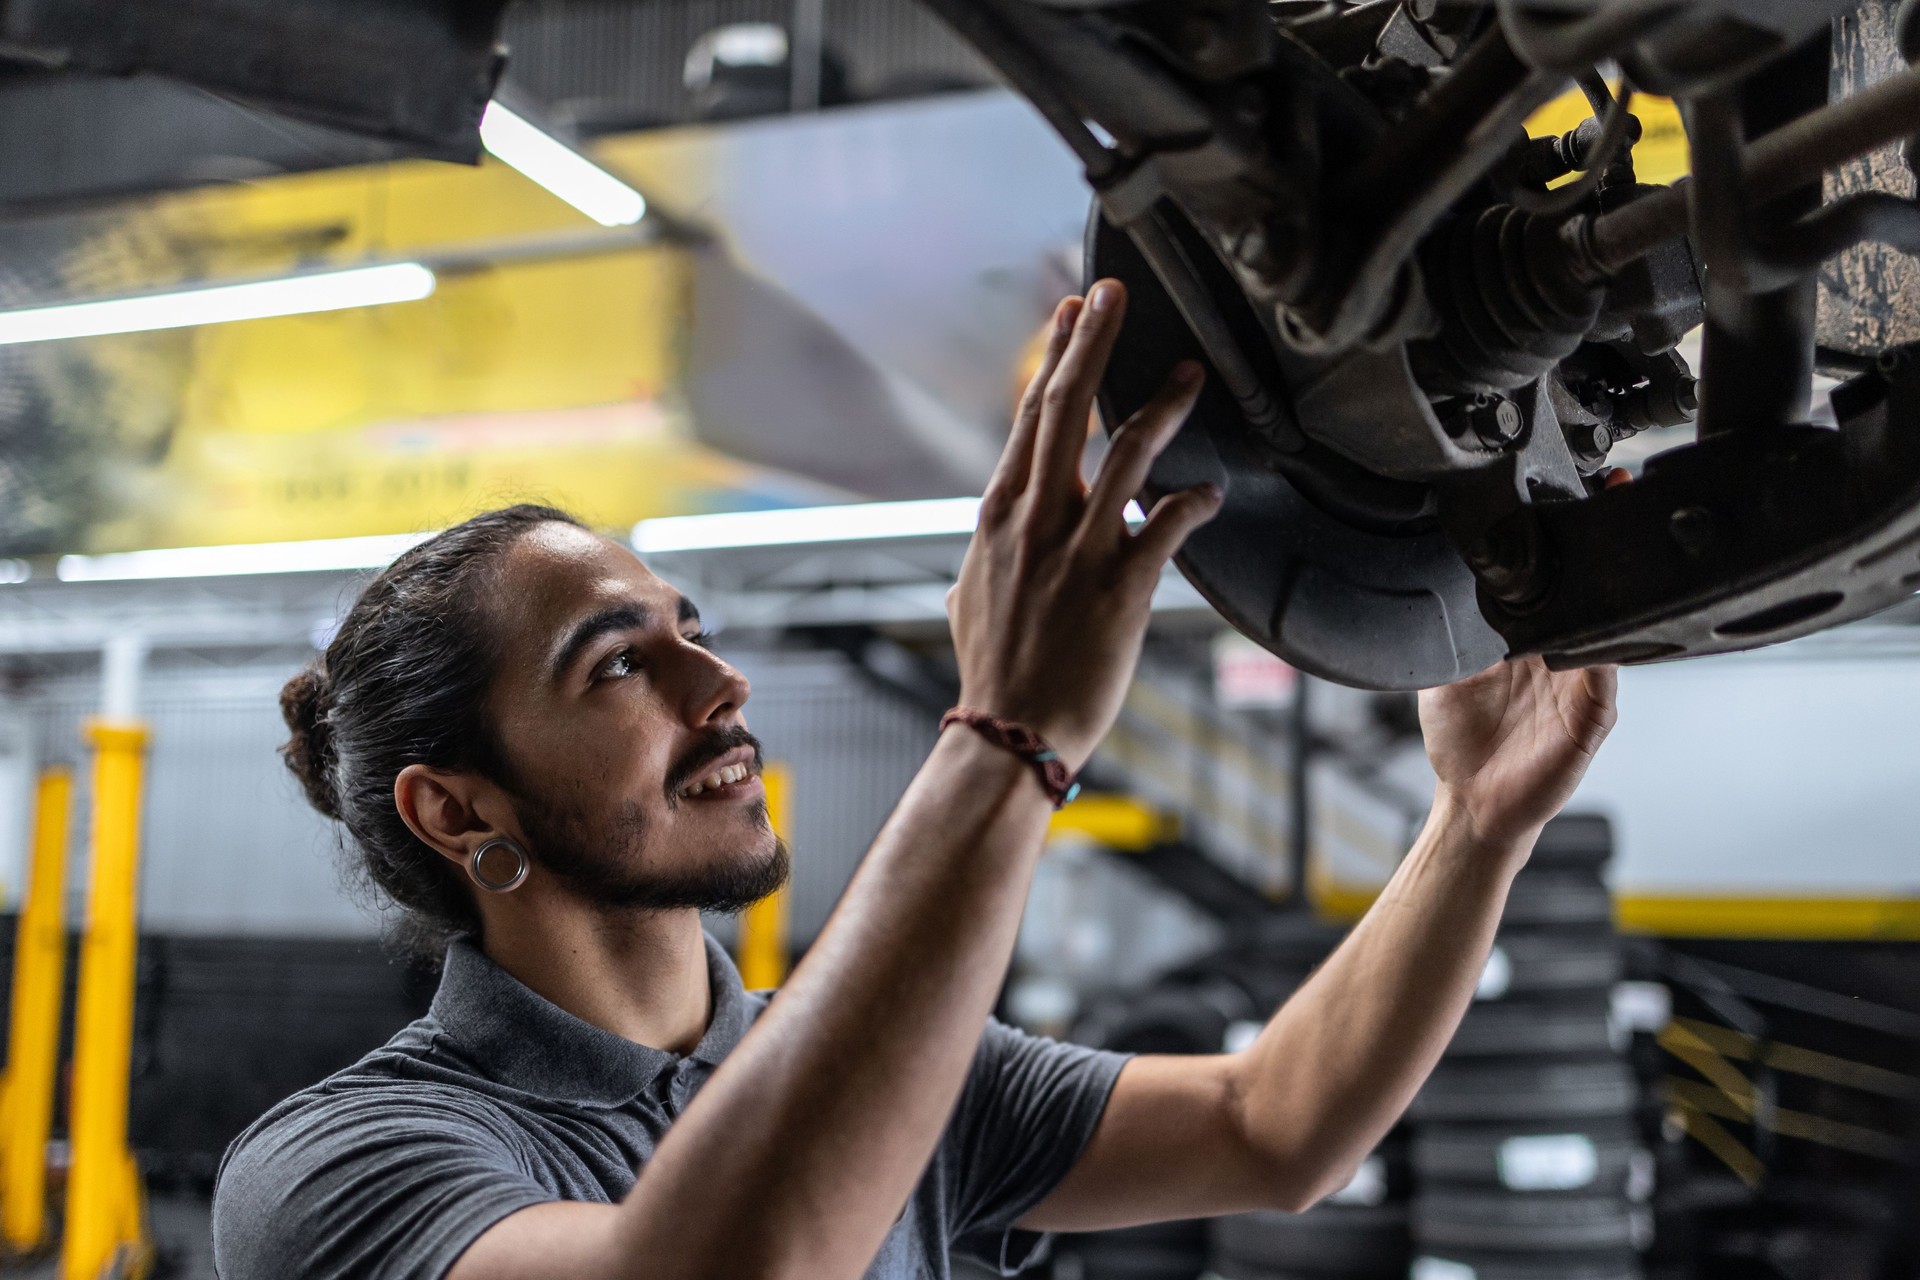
<point x="1342" y="574"/>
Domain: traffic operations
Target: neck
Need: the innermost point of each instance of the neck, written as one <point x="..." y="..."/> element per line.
<point x="639" y="975"/>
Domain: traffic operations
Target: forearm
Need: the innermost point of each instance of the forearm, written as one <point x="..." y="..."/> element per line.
<point x="799" y="1154"/>
<point x="1343" y="1058"/>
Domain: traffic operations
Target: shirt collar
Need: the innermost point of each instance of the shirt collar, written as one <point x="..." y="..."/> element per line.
<point x="525" y="1041"/>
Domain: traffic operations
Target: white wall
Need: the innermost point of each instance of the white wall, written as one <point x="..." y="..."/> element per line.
<point x="16" y="803"/>
<point x="1771" y="773"/>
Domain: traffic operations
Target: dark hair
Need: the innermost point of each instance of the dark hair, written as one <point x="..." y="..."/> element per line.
<point x="405" y="681"/>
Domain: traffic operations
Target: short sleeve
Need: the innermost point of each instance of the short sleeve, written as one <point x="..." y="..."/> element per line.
<point x="387" y="1187"/>
<point x="1029" y="1108"/>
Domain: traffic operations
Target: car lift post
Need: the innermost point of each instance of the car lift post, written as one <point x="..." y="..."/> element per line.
<point x="33" y="1037"/>
<point x="105" y="1232"/>
<point x="764" y="954"/>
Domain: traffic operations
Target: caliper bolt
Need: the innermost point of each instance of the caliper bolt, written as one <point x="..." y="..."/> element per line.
<point x="1496" y="420"/>
<point x="1693" y="530"/>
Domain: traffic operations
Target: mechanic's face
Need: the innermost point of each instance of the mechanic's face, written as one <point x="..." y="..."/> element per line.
<point x="633" y="775"/>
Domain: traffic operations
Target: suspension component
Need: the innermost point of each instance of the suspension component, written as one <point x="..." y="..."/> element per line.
<point x="1510" y="310"/>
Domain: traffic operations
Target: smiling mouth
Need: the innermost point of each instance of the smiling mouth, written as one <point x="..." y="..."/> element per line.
<point x="726" y="775"/>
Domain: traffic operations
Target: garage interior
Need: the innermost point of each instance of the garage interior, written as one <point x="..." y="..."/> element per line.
<point x="1694" y="1053"/>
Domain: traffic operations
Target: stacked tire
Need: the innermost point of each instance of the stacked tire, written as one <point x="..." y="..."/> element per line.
<point x="1180" y="1017"/>
<point x="1359" y="1233"/>
<point x="1203" y="1008"/>
<point x="1526" y="1155"/>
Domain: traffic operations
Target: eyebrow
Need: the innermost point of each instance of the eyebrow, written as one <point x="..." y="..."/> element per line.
<point x="619" y="617"/>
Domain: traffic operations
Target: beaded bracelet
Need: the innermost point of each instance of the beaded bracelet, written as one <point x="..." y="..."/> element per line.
<point x="1052" y="771"/>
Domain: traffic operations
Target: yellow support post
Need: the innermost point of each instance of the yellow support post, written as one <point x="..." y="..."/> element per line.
<point x="105" y="1226"/>
<point x="764" y="954"/>
<point x="33" y="1037"/>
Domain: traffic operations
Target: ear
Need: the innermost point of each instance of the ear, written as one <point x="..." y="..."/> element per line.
<point x="445" y="809"/>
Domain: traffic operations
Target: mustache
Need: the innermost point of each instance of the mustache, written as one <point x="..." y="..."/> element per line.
<point x="703" y="753"/>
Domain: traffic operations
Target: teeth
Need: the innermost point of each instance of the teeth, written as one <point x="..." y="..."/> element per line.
<point x="719" y="778"/>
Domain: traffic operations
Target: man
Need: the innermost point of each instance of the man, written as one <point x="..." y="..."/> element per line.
<point x="523" y="733"/>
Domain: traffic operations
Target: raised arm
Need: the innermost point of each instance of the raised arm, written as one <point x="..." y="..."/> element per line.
<point x="796" y="1158"/>
<point x="1288" y="1120"/>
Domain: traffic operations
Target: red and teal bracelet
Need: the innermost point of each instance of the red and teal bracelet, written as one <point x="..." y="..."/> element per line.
<point x="1052" y="771"/>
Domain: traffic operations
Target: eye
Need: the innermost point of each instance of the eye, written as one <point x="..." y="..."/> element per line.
<point x="703" y="638"/>
<point x="618" y="667"/>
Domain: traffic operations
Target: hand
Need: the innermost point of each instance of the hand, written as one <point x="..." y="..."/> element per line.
<point x="1051" y="606"/>
<point x="1512" y="743"/>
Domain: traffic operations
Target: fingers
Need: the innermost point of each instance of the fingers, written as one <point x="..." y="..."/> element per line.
<point x="1172" y="520"/>
<point x="1139" y="442"/>
<point x="1016" y="460"/>
<point x="1068" y="398"/>
<point x="1603" y="691"/>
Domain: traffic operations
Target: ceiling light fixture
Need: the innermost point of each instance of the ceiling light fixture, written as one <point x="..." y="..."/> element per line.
<point x="319" y="555"/>
<point x="855" y="522"/>
<point x="183" y="308"/>
<point x="551" y="163"/>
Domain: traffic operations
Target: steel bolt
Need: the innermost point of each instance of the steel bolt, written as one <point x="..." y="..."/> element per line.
<point x="1693" y="530"/>
<point x="1496" y="420"/>
<point x="1510" y="562"/>
<point x="1686" y="396"/>
<point x="1599" y="441"/>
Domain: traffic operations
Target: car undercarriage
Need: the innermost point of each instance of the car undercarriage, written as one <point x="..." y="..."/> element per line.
<point x="1427" y="332"/>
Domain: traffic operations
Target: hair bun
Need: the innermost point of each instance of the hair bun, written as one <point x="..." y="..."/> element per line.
<point x="304" y="703"/>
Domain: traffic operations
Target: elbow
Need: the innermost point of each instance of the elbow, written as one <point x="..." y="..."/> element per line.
<point x="1324" y="1182"/>
<point x="1298" y="1184"/>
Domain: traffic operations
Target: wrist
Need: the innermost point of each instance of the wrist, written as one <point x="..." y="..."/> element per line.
<point x="1453" y="824"/>
<point x="988" y="770"/>
<point x="1055" y="776"/>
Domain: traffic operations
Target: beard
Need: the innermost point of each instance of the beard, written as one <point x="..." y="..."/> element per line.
<point x="603" y="863"/>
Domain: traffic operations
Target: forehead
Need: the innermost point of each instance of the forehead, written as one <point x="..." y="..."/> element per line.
<point x="557" y="574"/>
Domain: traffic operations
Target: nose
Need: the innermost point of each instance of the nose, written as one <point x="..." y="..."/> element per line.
<point x="716" y="689"/>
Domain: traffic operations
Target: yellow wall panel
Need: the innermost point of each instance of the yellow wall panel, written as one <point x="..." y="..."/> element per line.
<point x="551" y="379"/>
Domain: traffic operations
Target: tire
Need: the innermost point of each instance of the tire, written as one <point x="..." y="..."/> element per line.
<point x="1582" y="841"/>
<point x="1537" y="964"/>
<point x="1454" y="1264"/>
<point x="1577" y="1025"/>
<point x="1163" y="1020"/>
<point x="1591" y="1158"/>
<point x="1141" y="1264"/>
<point x="1497" y="1092"/>
<point x="1558" y="898"/>
<point x="1506" y="1222"/>
<point x="1160" y="1251"/>
<point x="1328" y="1240"/>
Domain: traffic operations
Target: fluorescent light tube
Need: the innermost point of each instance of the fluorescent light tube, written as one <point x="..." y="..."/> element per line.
<point x="220" y="303"/>
<point x="550" y="163"/>
<point x="857" y="522"/>
<point x="374" y="552"/>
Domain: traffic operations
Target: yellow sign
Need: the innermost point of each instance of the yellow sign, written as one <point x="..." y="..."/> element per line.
<point x="552" y="380"/>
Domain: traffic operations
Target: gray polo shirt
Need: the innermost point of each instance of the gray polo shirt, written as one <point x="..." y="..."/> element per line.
<point x="499" y="1099"/>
